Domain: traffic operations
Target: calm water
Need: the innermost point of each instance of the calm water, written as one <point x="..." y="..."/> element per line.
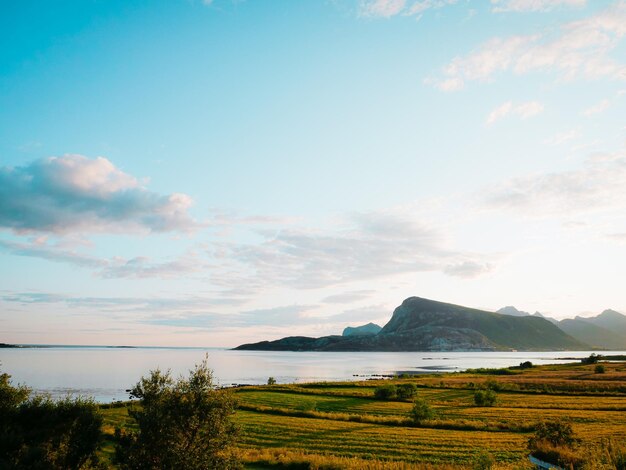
<point x="105" y="373"/>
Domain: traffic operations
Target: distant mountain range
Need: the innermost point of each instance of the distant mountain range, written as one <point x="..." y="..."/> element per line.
<point x="604" y="331"/>
<point x="427" y="325"/>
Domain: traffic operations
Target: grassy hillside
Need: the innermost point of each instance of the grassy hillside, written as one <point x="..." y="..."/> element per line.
<point x="503" y="331"/>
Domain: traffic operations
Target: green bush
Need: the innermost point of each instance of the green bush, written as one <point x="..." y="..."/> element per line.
<point x="554" y="442"/>
<point x="385" y="392"/>
<point x="421" y="411"/>
<point x="557" y="433"/>
<point x="483" y="461"/>
<point x="485" y="397"/>
<point x="406" y="391"/>
<point x="593" y="358"/>
<point x="599" y="369"/>
<point x="37" y="432"/>
<point x="271" y="381"/>
<point x="182" y="424"/>
<point x="493" y="384"/>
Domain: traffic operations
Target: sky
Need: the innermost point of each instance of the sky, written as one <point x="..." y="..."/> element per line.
<point x="210" y="173"/>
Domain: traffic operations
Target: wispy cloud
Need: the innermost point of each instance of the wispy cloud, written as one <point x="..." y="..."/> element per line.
<point x="366" y="246"/>
<point x="140" y="267"/>
<point x="389" y="8"/>
<point x="348" y="297"/>
<point x="534" y="5"/>
<point x="182" y="304"/>
<point x="578" y="49"/>
<point x="74" y="193"/>
<point x="597" y="108"/>
<point x="522" y="110"/>
<point x="563" y="137"/>
<point x="598" y="186"/>
<point x="52" y="253"/>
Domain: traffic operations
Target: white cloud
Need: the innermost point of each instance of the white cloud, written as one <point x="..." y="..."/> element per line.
<point x="529" y="109"/>
<point x="500" y="112"/>
<point x="381" y="8"/>
<point x="75" y="194"/>
<point x="534" y="5"/>
<point x="597" y="108"/>
<point x="563" y="137"/>
<point x="421" y="6"/>
<point x="522" y="110"/>
<point x="389" y="8"/>
<point x="579" y="49"/>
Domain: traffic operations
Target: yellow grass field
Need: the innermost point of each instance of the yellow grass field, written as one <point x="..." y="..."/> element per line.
<point x="343" y="426"/>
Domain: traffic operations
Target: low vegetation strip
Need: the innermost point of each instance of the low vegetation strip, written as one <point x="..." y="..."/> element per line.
<point x="465" y="425"/>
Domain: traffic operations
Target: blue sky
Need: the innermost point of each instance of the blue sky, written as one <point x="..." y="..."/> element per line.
<point x="209" y="173"/>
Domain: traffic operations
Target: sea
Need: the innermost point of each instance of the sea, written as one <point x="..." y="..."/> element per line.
<point x="107" y="373"/>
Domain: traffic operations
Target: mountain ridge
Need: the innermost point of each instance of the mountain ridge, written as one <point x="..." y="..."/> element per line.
<point x="420" y="324"/>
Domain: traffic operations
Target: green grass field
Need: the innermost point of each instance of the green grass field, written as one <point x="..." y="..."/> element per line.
<point x="343" y="426"/>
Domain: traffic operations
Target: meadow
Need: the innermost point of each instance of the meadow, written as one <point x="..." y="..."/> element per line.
<point x="342" y="425"/>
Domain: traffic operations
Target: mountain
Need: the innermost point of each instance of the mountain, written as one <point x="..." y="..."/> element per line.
<point x="363" y="330"/>
<point x="609" y="319"/>
<point x="592" y="334"/>
<point x="426" y="325"/>
<point x="510" y="310"/>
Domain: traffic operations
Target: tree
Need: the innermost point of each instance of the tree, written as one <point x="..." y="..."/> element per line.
<point x="184" y="423"/>
<point x="406" y="391"/>
<point x="483" y="460"/>
<point x="557" y="433"/>
<point x="385" y="392"/>
<point x="485" y="397"/>
<point x="37" y="432"/>
<point x="421" y="411"/>
<point x="555" y="443"/>
<point x="593" y="358"/>
<point x="271" y="381"/>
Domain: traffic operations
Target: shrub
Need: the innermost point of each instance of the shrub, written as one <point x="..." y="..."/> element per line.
<point x="563" y="456"/>
<point x="599" y="369"/>
<point x="421" y="411"/>
<point x="592" y="359"/>
<point x="554" y="442"/>
<point x="271" y="381"/>
<point x="406" y="391"/>
<point x="40" y="433"/>
<point x="385" y="392"/>
<point x="526" y="365"/>
<point x="485" y="397"/>
<point x="557" y="433"/>
<point x="483" y="461"/>
<point x="184" y="423"/>
<point x="492" y="384"/>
